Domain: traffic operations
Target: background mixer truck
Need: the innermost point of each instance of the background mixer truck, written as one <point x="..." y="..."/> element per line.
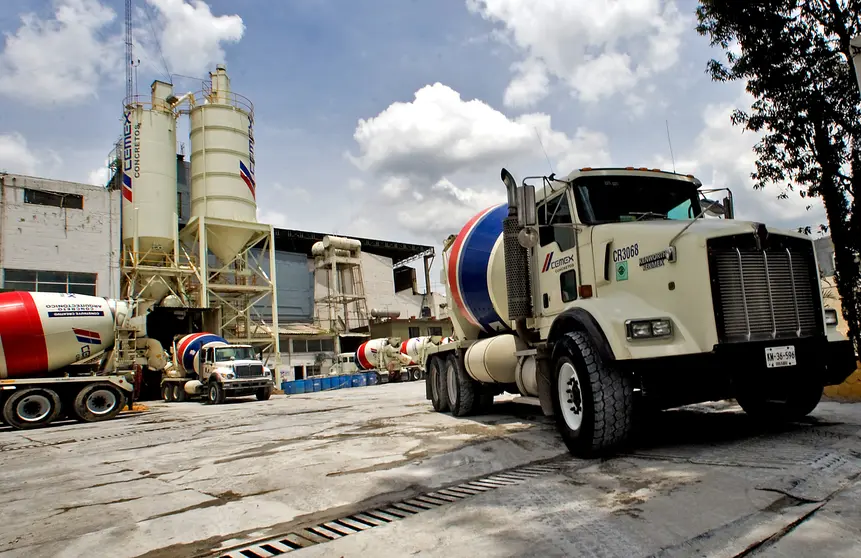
<point x="609" y="287"/>
<point x="56" y="358"/>
<point x="205" y="364"/>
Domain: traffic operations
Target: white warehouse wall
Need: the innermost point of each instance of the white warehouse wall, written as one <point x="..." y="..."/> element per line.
<point x="50" y="238"/>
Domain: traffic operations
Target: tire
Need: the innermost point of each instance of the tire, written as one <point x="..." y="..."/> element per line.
<point x="167" y="393"/>
<point x="460" y="387"/>
<point x="439" y="395"/>
<point x="215" y="394"/>
<point x="31" y="408"/>
<point x="416" y="374"/>
<point x="98" y="402"/>
<point x="799" y="401"/>
<point x="178" y="394"/>
<point x="264" y="393"/>
<point x="596" y="419"/>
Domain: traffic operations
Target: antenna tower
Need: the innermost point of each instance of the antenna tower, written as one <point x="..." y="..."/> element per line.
<point x="129" y="52"/>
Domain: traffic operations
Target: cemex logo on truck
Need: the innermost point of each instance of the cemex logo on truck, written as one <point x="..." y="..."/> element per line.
<point x="550" y="263"/>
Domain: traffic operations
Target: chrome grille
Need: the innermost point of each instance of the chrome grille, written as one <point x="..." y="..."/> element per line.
<point x="765" y="294"/>
<point x="248" y="370"/>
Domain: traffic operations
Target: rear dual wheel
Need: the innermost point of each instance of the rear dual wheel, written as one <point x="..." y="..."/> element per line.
<point x="98" y="402"/>
<point x="31" y="408"/>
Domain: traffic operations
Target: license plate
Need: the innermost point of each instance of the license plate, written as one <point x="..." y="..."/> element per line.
<point x="778" y="357"/>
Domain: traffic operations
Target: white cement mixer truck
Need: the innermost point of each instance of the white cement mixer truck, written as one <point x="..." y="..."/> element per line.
<point x="56" y="358"/>
<point x="610" y="287"/>
<point x="207" y="365"/>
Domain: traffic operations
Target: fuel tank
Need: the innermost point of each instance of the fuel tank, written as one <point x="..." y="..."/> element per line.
<point x="189" y="346"/>
<point x="42" y="333"/>
<point x="475" y="276"/>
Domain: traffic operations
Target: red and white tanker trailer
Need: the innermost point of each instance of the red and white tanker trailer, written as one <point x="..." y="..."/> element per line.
<point x="56" y="358"/>
<point x="607" y="286"/>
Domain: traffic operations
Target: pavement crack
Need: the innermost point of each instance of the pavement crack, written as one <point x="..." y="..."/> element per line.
<point x="775" y="537"/>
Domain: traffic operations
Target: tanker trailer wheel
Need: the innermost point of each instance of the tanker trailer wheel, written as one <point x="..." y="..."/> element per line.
<point x="439" y="393"/>
<point x="215" y="393"/>
<point x="31" y="408"/>
<point x="167" y="392"/>
<point x="264" y="393"/>
<point x="593" y="403"/>
<point x="98" y="402"/>
<point x="796" y="402"/>
<point x="178" y="393"/>
<point x="460" y="387"/>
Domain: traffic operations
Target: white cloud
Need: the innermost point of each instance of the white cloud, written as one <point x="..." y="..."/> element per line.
<point x="99" y="176"/>
<point x="60" y="59"/>
<point x="722" y="156"/>
<point x="15" y="156"/>
<point x="65" y="58"/>
<point x="190" y="36"/>
<point x="597" y="49"/>
<point x="437" y="158"/>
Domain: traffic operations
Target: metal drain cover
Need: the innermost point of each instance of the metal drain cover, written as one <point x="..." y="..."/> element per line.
<point x="377" y="517"/>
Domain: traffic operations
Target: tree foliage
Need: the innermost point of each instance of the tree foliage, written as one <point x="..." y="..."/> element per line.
<point x="796" y="60"/>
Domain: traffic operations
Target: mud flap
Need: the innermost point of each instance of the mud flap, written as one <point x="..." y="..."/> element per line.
<point x="545" y="387"/>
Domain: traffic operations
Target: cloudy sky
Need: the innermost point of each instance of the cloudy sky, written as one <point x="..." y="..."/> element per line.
<point x="390" y="118"/>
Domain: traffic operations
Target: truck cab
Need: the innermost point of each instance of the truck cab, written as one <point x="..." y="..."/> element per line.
<point x="610" y="287"/>
<point x="345" y="363"/>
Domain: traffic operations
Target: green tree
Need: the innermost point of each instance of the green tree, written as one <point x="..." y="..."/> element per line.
<point x="796" y="60"/>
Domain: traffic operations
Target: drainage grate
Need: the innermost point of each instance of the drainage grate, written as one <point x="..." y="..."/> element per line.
<point x="378" y="517"/>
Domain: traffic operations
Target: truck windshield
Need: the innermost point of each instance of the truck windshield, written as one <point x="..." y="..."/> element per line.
<point x="614" y="199"/>
<point x="233" y="353"/>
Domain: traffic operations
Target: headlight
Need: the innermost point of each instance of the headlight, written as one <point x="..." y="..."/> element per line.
<point x="830" y="317"/>
<point x="649" y="329"/>
<point x="267" y="372"/>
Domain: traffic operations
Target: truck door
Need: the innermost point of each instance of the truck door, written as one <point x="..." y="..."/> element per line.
<point x="555" y="269"/>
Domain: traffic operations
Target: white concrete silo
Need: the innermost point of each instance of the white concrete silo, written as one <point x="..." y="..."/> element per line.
<point x="222" y="165"/>
<point x="149" y="175"/>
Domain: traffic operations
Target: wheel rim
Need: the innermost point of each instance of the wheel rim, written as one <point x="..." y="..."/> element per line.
<point x="176" y="392"/>
<point x="451" y="383"/>
<point x="101" y="402"/>
<point x="33" y="408"/>
<point x="213" y="393"/>
<point x="165" y="393"/>
<point x="570" y="396"/>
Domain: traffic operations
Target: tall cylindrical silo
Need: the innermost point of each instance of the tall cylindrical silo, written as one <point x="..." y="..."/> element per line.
<point x="222" y="164"/>
<point x="149" y="175"/>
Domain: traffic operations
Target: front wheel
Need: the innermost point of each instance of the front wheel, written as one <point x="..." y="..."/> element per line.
<point x="593" y="403"/>
<point x="264" y="393"/>
<point x="215" y="394"/>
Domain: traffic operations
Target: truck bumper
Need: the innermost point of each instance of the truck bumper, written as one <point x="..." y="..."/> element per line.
<point x="240" y="387"/>
<point x="686" y="379"/>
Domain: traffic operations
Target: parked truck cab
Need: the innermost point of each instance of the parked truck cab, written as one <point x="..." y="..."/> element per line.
<point x="610" y="286"/>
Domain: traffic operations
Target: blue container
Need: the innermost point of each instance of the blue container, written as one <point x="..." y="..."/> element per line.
<point x="287" y="388"/>
<point x="298" y="386"/>
<point x="343" y="382"/>
<point x="317" y="384"/>
<point x="326" y="383"/>
<point x="359" y="380"/>
<point x="373" y="378"/>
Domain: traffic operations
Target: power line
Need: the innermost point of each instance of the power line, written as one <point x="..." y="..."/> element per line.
<point x="157" y="43"/>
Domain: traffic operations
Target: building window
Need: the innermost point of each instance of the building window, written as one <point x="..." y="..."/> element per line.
<point x="50" y="281"/>
<point x="435" y="330"/>
<point x="414" y="332"/>
<point x="55" y="199"/>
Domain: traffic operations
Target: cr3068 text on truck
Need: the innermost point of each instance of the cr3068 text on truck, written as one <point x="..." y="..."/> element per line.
<point x="610" y="285"/>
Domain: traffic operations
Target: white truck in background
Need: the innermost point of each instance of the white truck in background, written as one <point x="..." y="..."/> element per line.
<point x="206" y="365"/>
<point x="608" y="286"/>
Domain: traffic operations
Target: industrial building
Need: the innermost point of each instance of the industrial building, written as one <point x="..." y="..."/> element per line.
<point x="60" y="236"/>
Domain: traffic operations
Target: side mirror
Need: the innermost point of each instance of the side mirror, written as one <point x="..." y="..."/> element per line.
<point x="527" y="214"/>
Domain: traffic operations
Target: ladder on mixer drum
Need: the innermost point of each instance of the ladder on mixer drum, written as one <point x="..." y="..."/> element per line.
<point x="125" y="348"/>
